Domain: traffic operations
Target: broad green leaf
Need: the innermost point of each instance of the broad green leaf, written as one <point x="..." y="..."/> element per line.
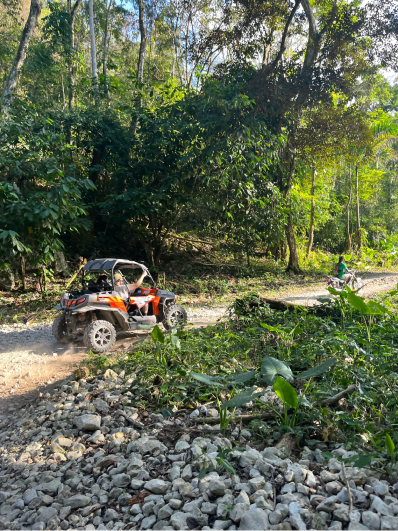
<point x="205" y="378"/>
<point x="390" y="445"/>
<point x="242" y="398"/>
<point x="157" y="335"/>
<point x="271" y="367"/>
<point x="318" y="370"/>
<point x="358" y="303"/>
<point x="363" y="461"/>
<point x="286" y="392"/>
<point x="333" y="291"/>
<point x="243" y="377"/>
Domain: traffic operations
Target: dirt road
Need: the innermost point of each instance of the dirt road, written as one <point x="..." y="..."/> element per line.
<point x="374" y="283"/>
<point x="32" y="361"/>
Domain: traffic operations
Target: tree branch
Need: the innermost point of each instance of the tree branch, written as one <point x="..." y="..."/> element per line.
<point x="284" y="35"/>
<point x="312" y="49"/>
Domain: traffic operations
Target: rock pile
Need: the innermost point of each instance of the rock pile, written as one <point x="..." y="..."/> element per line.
<point x="83" y="459"/>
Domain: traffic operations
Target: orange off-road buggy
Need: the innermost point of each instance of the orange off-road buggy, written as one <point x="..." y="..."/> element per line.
<point x="97" y="311"/>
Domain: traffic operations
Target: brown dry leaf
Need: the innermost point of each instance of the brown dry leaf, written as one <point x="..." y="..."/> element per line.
<point x="138" y="498"/>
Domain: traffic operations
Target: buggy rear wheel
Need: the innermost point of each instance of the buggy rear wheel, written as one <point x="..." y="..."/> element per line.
<point x="58" y="329"/>
<point x="99" y="336"/>
<point x="174" y="315"/>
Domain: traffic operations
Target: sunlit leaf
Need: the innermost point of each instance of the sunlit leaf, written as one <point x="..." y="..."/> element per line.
<point x="285" y="392"/>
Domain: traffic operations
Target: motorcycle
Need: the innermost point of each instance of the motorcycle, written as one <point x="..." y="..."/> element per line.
<point x="339" y="284"/>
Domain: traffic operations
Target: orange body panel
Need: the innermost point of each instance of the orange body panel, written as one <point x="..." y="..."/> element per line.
<point x="117" y="302"/>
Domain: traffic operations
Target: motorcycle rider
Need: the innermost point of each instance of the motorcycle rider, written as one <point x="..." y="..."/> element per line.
<point x="343" y="272"/>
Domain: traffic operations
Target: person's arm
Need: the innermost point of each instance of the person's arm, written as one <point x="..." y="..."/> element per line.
<point x="133" y="287"/>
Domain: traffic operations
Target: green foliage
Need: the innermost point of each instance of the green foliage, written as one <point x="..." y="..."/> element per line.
<point x="271" y="367"/>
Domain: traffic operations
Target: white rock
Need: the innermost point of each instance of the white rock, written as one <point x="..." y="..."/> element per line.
<point x="157" y="486"/>
<point x="297" y="522"/>
<point x="389" y="522"/>
<point x="238" y="511"/>
<point x="79" y="500"/>
<point x="381" y="490"/>
<point x="371" y="520"/>
<point x="254" y="520"/>
<point x="378" y="506"/>
<point x="280" y="513"/>
<point x="186" y="474"/>
<point x="248" y="458"/>
<point x="88" y="422"/>
<point x="257" y="483"/>
<point x="181" y="445"/>
<point x="217" y="487"/>
<point x="175" y="472"/>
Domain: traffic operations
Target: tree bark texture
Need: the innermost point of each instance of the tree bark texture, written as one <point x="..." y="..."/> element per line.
<point x="312" y="219"/>
<point x="293" y="264"/>
<point x="359" y="234"/>
<point x="94" y="72"/>
<point x="349" y="242"/>
<point x="71" y="71"/>
<point x="141" y="60"/>
<point x="12" y="81"/>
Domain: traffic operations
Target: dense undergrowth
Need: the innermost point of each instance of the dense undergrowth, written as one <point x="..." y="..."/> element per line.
<point x="351" y="347"/>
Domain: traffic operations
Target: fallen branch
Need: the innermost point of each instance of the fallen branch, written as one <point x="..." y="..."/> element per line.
<point x="244" y="418"/>
<point x="336" y="398"/>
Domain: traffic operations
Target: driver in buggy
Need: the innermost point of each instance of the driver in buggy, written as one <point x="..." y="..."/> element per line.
<point x="125" y="289"/>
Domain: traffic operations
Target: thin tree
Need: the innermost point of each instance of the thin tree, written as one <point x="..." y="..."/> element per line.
<point x="141" y="59"/>
<point x="12" y="81"/>
<point x="71" y="71"/>
<point x="94" y="73"/>
<point x="312" y="217"/>
<point x="359" y="234"/>
<point x="349" y="242"/>
<point x="104" y="66"/>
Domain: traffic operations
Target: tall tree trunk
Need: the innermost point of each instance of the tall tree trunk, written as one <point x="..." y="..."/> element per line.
<point x="71" y="71"/>
<point x="141" y="60"/>
<point x="311" y="233"/>
<point x="349" y="242"/>
<point x="359" y="235"/>
<point x="104" y="68"/>
<point x="293" y="264"/>
<point x="94" y="72"/>
<point x="11" y="85"/>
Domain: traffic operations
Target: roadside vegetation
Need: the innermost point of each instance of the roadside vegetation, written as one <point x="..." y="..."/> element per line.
<point x="329" y="374"/>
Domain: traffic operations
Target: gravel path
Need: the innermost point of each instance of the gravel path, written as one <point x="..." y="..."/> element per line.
<point x="83" y="458"/>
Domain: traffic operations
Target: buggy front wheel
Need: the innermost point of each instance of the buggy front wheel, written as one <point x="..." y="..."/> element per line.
<point x="174" y="315"/>
<point x="99" y="336"/>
